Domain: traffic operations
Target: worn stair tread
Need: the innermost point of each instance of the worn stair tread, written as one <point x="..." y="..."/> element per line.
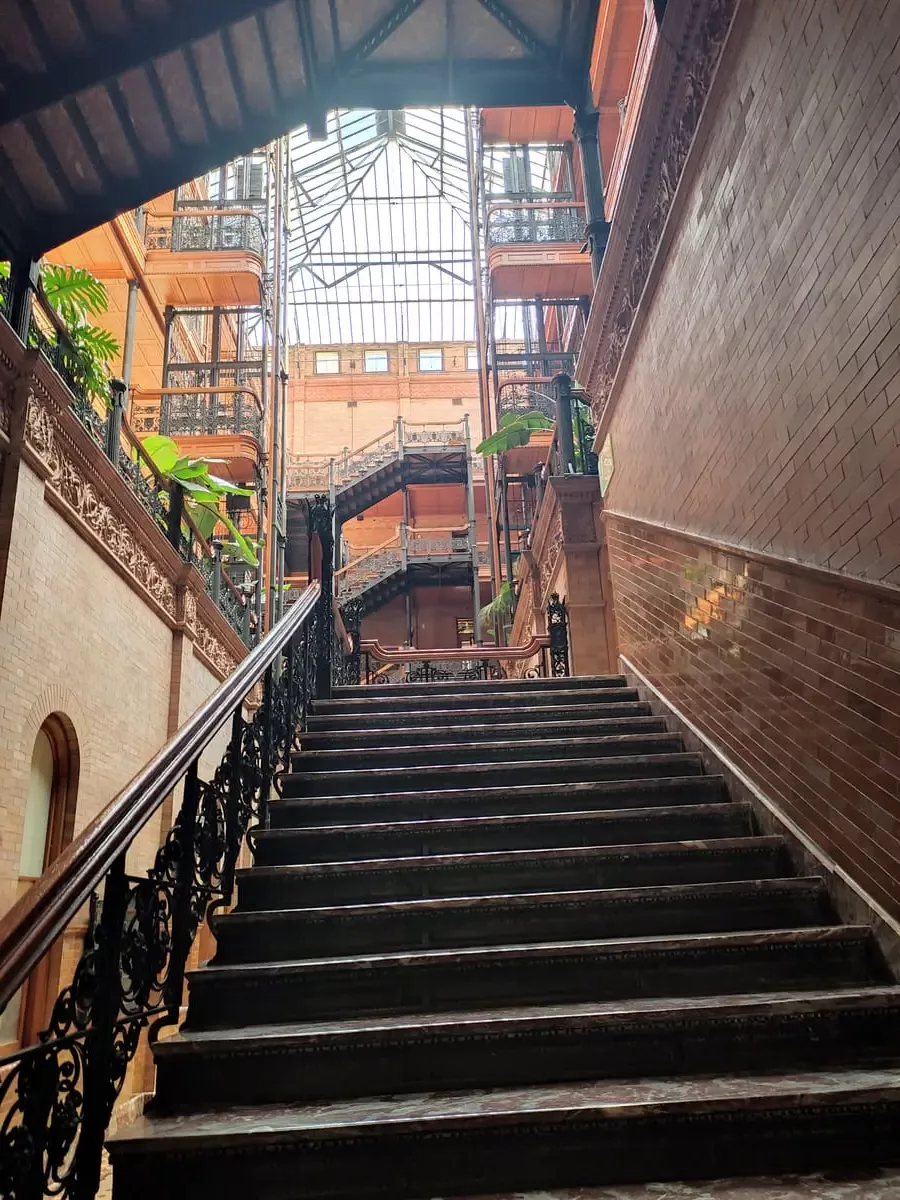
<point x="534" y="715"/>
<point x="639" y="1010"/>
<point x="760" y="843"/>
<point x="860" y="1183"/>
<point x="620" y="762"/>
<point x="306" y="759"/>
<point x="420" y="1113"/>
<point x="426" y="825"/>
<point x="788" y="885"/>
<point x="505" y="729"/>
<point x="454" y="701"/>
<point x="473" y="955"/>
<point x="523" y="791"/>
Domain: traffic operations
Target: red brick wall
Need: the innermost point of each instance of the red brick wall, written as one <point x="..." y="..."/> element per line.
<point x="760" y="403"/>
<point x="794" y="674"/>
<point x="758" y="407"/>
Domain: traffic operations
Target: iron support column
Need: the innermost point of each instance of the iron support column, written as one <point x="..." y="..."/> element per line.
<point x="564" y="423"/>
<point x="587" y="121"/>
<point x="134" y="286"/>
<point x="404" y="550"/>
<point x="473" y="536"/>
<point x="23" y="282"/>
<point x="118" y="392"/>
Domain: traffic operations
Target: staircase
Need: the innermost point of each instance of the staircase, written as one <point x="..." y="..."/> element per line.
<point x="410" y="559"/>
<point x="508" y="937"/>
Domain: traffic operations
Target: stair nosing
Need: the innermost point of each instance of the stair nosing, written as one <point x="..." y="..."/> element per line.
<point x="760" y="842"/>
<point x="649" y="1010"/>
<point x="631" y="739"/>
<point x="600" y="815"/>
<point x="813" y="934"/>
<point x="504" y="1107"/>
<point x="394" y="731"/>
<point x="786" y="883"/>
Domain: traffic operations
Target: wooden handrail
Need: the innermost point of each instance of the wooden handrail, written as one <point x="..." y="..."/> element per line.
<point x="394" y="654"/>
<point x="368" y="554"/>
<point x="340" y="628"/>
<point x="34" y="923"/>
<point x="199" y="391"/>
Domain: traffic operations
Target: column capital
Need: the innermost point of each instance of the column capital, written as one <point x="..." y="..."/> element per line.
<point x="586" y="123"/>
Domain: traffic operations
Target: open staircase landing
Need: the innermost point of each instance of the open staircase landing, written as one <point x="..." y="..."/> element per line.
<point x="508" y="937"/>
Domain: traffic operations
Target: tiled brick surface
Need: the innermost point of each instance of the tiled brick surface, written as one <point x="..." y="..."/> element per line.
<point x="795" y="675"/>
<point x="760" y="405"/>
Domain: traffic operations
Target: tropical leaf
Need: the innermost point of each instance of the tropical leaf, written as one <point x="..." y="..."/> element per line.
<point x="501" y="604"/>
<point x="161" y="451"/>
<point x="226" y="488"/>
<point x="515" y="430"/>
<point x="73" y="292"/>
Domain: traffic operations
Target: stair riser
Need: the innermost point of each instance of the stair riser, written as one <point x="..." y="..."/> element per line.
<point x="379" y="703"/>
<point x="349" y="783"/>
<point x="403" y="757"/>
<point x="222" y="1002"/>
<point x="436" y="1060"/>
<point x="688" y="865"/>
<point x="524" y="689"/>
<point x="429" y="736"/>
<point x="504" y="1156"/>
<point x="274" y="940"/>
<point x="308" y="847"/>
<point x="477" y="715"/>
<point x="497" y="801"/>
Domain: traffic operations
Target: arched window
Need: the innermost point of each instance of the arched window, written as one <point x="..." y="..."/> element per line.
<point x="49" y="821"/>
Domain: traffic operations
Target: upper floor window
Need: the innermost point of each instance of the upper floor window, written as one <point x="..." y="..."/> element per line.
<point x="431" y="360"/>
<point x="328" y="362"/>
<point x="376" y="360"/>
<point x="472" y="363"/>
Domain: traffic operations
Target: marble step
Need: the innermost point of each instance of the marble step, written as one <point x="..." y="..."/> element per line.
<point x="532" y="716"/>
<point x="496" y="750"/>
<point x="544" y="973"/>
<point x="458" y="732"/>
<point x="570" y="867"/>
<point x="852" y="1183"/>
<point x="537" y="1137"/>
<point x="580" y="769"/>
<point x="372" y="701"/>
<point x="481" y="687"/>
<point x="519" y="831"/>
<point x="270" y="935"/>
<point x="310" y="812"/>
<point x="272" y="1064"/>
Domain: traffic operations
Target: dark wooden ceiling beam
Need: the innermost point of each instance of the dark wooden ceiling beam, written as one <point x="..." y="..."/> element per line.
<point x="112" y="55"/>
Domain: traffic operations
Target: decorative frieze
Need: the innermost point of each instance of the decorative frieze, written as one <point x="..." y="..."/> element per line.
<point x="663" y="139"/>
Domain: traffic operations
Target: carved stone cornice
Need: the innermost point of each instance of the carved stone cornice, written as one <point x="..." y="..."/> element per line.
<point x="693" y="36"/>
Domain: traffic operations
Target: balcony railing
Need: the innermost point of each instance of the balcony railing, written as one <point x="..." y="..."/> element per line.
<point x="198" y="412"/>
<point x="199" y="226"/>
<point x="535" y="222"/>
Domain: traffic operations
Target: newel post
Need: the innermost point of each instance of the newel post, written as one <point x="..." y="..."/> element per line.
<point x="558" y="629"/>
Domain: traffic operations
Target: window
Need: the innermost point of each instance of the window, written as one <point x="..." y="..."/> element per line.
<point x="328" y="362"/>
<point x="472" y="363"/>
<point x="431" y="360"/>
<point x="49" y="821"/>
<point x="376" y="360"/>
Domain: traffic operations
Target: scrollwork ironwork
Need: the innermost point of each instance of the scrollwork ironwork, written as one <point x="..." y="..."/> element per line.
<point x="57" y="1097"/>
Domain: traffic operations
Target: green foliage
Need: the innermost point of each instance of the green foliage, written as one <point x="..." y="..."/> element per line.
<point x="203" y="493"/>
<point x="500" y="607"/>
<point x="515" y="430"/>
<point x="74" y="294"/>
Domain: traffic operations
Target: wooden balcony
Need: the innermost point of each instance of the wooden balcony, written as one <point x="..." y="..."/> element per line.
<point x="201" y="256"/>
<point x="213" y="423"/>
<point x="516" y="126"/>
<point x="535" y="249"/>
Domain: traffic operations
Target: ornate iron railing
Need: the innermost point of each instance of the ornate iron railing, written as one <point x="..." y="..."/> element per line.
<point x="57" y="1097"/>
<point x="544" y="656"/>
<point x="310" y="473"/>
<point x="199" y="411"/>
<point x="198" y="225"/>
<point x="535" y="221"/>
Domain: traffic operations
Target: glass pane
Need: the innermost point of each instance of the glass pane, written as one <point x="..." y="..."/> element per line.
<point x="431" y="360"/>
<point x="328" y="362"/>
<point x="376" y="360"/>
<point x="472" y="360"/>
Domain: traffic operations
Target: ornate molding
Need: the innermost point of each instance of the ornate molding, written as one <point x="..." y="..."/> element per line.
<point x="684" y="71"/>
<point x="208" y="645"/>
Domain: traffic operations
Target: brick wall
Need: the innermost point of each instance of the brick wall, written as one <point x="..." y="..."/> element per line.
<point x="757" y="407"/>
<point x="794" y="673"/>
<point x="759" y="404"/>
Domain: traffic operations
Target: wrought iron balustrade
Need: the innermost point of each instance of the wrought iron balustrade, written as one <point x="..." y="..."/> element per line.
<point x="195" y="412"/>
<point x="202" y="226"/>
<point x="535" y="222"/>
<point x="57" y="1097"/>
